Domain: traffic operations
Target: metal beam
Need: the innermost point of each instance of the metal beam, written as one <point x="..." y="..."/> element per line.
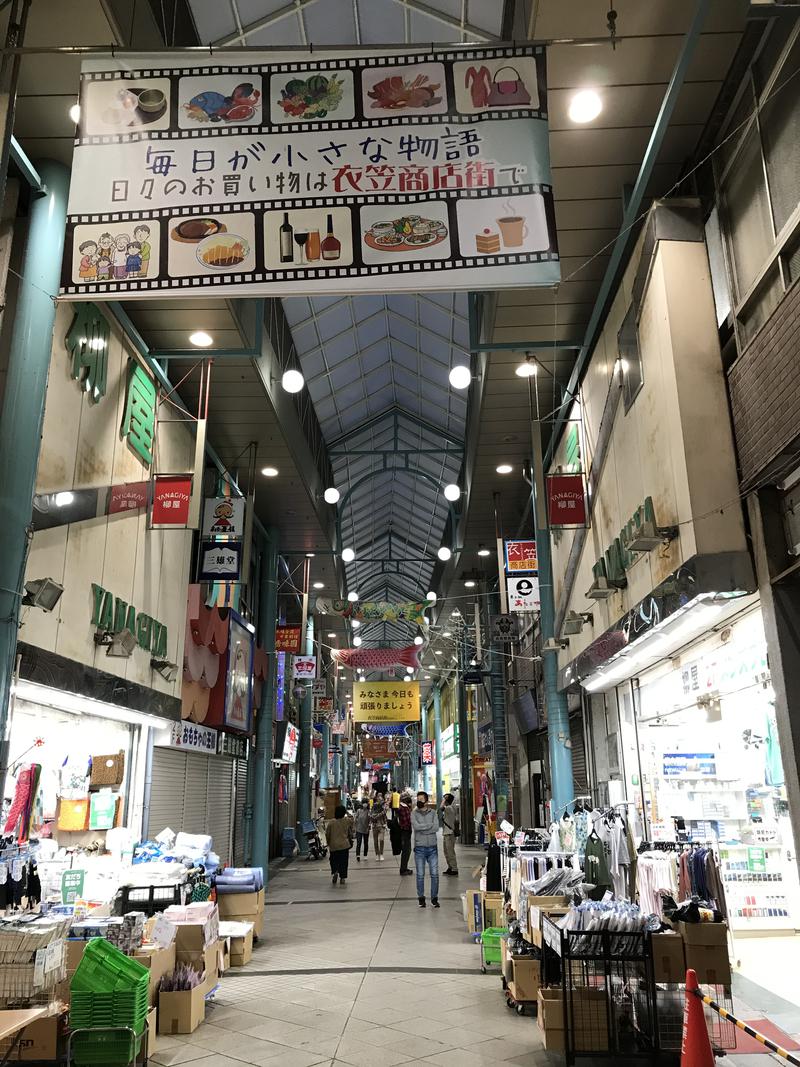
<point x="626" y="234"/>
<point x="448" y="20"/>
<point x="27" y="169"/>
<point x="282" y="13"/>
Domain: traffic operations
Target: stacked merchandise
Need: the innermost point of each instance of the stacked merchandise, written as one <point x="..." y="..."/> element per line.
<point x="108" y="989"/>
<point x="31" y="959"/>
<point x="521" y="967"/>
<point x="124" y="932"/>
<point x="681" y="871"/>
<point x="19" y="877"/>
<point x="240" y="896"/>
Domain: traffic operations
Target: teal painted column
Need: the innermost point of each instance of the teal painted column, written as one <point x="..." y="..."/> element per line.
<point x="261" y="767"/>
<point x="345" y="767"/>
<point x="562" y="789"/>
<point x="304" y="777"/>
<point x="23" y="413"/>
<point x="437" y="730"/>
<point x="497" y="679"/>
<point x="323" y="765"/>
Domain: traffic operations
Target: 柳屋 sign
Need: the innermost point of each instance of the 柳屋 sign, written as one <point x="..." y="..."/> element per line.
<point x="112" y="614"/>
<point x="276" y="174"/>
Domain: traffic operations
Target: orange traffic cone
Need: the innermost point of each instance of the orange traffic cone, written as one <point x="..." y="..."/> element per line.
<point x="695" y="1048"/>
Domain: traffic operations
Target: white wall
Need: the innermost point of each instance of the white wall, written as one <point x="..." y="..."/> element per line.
<point x="82" y="448"/>
<point x="674" y="444"/>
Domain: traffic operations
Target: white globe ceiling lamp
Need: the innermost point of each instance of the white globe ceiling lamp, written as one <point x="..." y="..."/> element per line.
<point x="460" y="376"/>
<point x="418" y="639"/>
<point x="585" y="106"/>
<point x="292" y="381"/>
<point x="431" y="597"/>
<point x="352" y="597"/>
<point x="357" y="641"/>
<point x="355" y="623"/>
<point x="452" y="492"/>
<point x="528" y="369"/>
<point x="332" y="495"/>
<point x="444" y="553"/>
<point x="348" y="555"/>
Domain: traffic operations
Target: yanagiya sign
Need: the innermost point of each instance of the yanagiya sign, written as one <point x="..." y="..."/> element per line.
<point x="112" y="614"/>
<point x="288" y="173"/>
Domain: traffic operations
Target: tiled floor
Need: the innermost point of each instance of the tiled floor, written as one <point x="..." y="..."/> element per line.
<point x="360" y="975"/>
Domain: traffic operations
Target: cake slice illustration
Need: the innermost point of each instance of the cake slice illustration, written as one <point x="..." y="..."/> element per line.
<point x="487" y="241"/>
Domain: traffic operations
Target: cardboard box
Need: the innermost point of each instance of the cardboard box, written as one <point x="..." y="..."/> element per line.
<point x="234" y="905"/>
<point x="550" y="1008"/>
<point x="223" y="955"/>
<point x="506" y="960"/>
<point x="535" y="915"/>
<point x="494" y="910"/>
<point x="150" y="1032"/>
<point x="39" y="1041"/>
<point x="669" y="961"/>
<point x="526" y="977"/>
<point x="710" y="962"/>
<point x="205" y="962"/>
<point x="257" y="922"/>
<point x="194" y="937"/>
<point x="242" y="949"/>
<point x="74" y="950"/>
<point x="181" y="1013"/>
<point x="589" y="1019"/>
<point x="703" y="933"/>
<point x="159" y="961"/>
<point x="474" y="911"/>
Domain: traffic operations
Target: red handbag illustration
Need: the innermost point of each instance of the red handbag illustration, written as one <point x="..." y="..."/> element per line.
<point x="506" y="92"/>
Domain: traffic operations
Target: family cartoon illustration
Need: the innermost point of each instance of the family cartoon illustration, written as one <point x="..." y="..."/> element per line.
<point x="111" y="258"/>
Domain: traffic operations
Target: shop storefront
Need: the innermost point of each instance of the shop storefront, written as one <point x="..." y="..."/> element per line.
<point x="451" y="759"/>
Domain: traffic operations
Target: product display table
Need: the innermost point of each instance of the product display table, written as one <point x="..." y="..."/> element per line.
<point x="11" y="1022"/>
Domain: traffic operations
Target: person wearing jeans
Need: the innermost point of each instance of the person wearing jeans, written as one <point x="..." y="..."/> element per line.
<point x="426" y="849"/>
<point x="362" y="831"/>
<point x="404" y="821"/>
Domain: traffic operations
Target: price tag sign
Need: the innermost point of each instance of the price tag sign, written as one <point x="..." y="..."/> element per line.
<point x="72" y="886"/>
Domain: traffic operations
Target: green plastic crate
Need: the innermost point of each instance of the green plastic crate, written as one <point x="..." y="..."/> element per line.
<point x="490" y="944"/>
<point x="104" y="969"/>
<point x="105" y="1049"/>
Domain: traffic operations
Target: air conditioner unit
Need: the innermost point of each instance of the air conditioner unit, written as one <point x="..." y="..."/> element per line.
<point x="649" y="536"/>
<point x="602" y="589"/>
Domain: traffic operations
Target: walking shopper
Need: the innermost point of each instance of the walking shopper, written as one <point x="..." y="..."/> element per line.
<point x="362" y="830"/>
<point x="404" y="821"/>
<point x="426" y="825"/>
<point x="449" y="832"/>
<point x="339" y="832"/>
<point x="377" y="818"/>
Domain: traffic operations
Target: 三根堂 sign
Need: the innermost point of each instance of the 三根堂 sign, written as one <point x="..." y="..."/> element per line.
<point x="276" y="174"/>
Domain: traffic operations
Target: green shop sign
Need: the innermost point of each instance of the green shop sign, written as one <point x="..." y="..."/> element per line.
<point x="72" y="886"/>
<point x="87" y="343"/>
<point x="618" y="559"/>
<point x="139" y="420"/>
<point x="112" y="615"/>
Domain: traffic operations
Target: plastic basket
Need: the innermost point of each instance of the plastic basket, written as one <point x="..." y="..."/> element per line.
<point x="490" y="943"/>
<point x="106" y="1048"/>
<point x="148" y="898"/>
<point x="104" y="969"/>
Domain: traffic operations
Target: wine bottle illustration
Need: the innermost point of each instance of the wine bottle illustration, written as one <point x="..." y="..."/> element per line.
<point x="331" y="246"/>
<point x="287" y="240"/>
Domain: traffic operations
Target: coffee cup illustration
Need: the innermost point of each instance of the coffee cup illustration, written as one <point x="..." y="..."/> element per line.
<point x="513" y="230"/>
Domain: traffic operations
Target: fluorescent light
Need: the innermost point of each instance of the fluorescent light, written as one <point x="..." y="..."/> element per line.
<point x="331" y="495"/>
<point x="452" y="491"/>
<point x="431" y="596"/>
<point x="75" y="704"/>
<point x="460" y="376"/>
<point x="333" y="636"/>
<point x="469" y="584"/>
<point x="75" y="113"/>
<point x="348" y="555"/>
<point x="438" y="652"/>
<point x="446" y="633"/>
<point x="484" y="552"/>
<point x="201" y="339"/>
<point x="694" y="621"/>
<point x="444" y="553"/>
<point x="504" y="468"/>
<point x="292" y="381"/>
<point x="309" y="555"/>
<point x="352" y="596"/>
<point x="63" y="500"/>
<point x="585" y="106"/>
<point x="319" y="585"/>
<point x="528" y="369"/>
<point x="269" y="472"/>
<point x="357" y="641"/>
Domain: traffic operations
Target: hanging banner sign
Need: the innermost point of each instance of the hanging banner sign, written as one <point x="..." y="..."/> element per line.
<point x="190" y="736"/>
<point x="428" y="753"/>
<point x="339" y="724"/>
<point x="386" y="701"/>
<point x="172" y="494"/>
<point x="223" y="516"/>
<point x="324" y="704"/>
<point x="304" y="667"/>
<point x="287" y="638"/>
<point x="376" y="611"/>
<point x="385" y="729"/>
<point x="220" y="561"/>
<point x="521" y="557"/>
<point x="127" y="497"/>
<point x="566" y="500"/>
<point x="523" y="595"/>
<point x="279" y="174"/>
<point x="319" y="687"/>
<point x="503" y="629"/>
<point x="378" y="658"/>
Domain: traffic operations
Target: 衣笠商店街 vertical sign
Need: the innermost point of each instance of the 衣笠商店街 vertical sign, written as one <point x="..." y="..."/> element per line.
<point x="279" y="174"/>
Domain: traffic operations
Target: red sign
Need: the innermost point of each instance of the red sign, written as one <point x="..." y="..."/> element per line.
<point x="521" y="557"/>
<point x="566" y="502"/>
<point x="428" y="757"/>
<point x="287" y="639"/>
<point x="127" y="497"/>
<point x="172" y="495"/>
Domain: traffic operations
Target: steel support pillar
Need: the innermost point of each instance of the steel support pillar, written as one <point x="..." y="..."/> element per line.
<point x="22" y="414"/>
<point x="306" y="725"/>
<point x="437" y="735"/>
<point x="558" y="741"/>
<point x="345" y="783"/>
<point x="323" y="763"/>
<point x="261" y="767"/>
<point x="499" y="727"/>
<point x="464" y="751"/>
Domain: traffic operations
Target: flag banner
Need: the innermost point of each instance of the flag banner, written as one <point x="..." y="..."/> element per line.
<point x="375" y="611"/>
<point x="378" y="658"/>
<point x="566" y="500"/>
<point x="296" y="173"/>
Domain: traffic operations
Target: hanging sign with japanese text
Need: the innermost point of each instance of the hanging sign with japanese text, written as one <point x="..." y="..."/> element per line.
<point x="172" y="495"/>
<point x="277" y="174"/>
<point x="566" y="502"/>
<point x="428" y="753"/>
<point x="190" y="736"/>
<point x="521" y="557"/>
<point x="386" y="702"/>
<point x="319" y="687"/>
<point x="220" y="561"/>
<point x="304" y="667"/>
<point x="523" y="594"/>
<point x="223" y="516"/>
<point x="287" y="638"/>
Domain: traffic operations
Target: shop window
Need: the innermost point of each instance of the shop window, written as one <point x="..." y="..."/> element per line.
<point x="630" y="357"/>
<point x="780" y="117"/>
<point x="761" y="305"/>
<point x="716" y="262"/>
<point x="747" y="212"/>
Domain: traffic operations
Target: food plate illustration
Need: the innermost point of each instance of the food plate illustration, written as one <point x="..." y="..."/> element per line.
<point x="135" y="107"/>
<point x="222" y="251"/>
<point x="405" y="234"/>
<point x="192" y="231"/>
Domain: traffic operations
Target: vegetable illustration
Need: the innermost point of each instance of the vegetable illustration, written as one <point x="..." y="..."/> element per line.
<point x="311" y="98"/>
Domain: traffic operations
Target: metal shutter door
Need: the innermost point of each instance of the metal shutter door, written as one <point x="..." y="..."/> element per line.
<point x="240" y="777"/>
<point x="579" y="775"/>
<point x="166" y="791"/>
<point x="194" y="795"/>
<point x="219" y="804"/>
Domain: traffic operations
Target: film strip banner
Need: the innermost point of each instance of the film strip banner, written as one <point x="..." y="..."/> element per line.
<point x="415" y="175"/>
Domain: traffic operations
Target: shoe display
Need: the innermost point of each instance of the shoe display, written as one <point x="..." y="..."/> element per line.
<point x="435" y="902"/>
<point x="421" y="902"/>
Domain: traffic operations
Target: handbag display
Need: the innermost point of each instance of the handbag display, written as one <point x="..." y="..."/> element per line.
<point x="108" y="770"/>
<point x="508" y="92"/>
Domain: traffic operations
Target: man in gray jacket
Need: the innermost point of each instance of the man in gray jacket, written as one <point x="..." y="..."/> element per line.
<point x="425" y="825"/>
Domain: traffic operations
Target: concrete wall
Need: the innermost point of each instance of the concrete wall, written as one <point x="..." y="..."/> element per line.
<point x="674" y="444"/>
<point x="82" y="448"/>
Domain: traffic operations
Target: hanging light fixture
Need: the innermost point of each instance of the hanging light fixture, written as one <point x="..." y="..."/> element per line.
<point x="355" y="623"/>
<point x="444" y="553"/>
<point x="292" y="380"/>
<point x="352" y="596"/>
<point x="483" y="551"/>
<point x="431" y="596"/>
<point x="331" y="495"/>
<point x="357" y="642"/>
<point x="419" y="639"/>
<point x="528" y="369"/>
<point x="452" y="492"/>
<point x="348" y="555"/>
<point x="460" y="376"/>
